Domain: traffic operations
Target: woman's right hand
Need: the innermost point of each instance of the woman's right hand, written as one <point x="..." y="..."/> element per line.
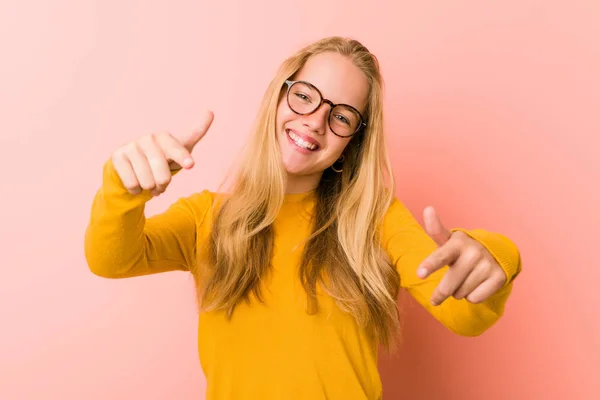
<point x="148" y="162"/>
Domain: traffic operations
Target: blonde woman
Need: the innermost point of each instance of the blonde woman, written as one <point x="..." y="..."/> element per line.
<point x="298" y="264"/>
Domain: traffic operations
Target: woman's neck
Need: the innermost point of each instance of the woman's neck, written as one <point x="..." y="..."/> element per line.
<point x="302" y="183"/>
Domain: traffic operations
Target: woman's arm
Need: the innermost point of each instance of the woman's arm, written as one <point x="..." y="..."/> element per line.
<point x="408" y="245"/>
<point x="120" y="242"/>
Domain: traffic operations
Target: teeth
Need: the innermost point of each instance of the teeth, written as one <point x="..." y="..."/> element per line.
<point x="301" y="142"/>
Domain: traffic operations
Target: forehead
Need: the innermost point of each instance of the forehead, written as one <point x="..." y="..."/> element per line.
<point x="338" y="79"/>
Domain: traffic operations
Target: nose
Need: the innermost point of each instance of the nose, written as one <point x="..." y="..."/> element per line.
<point x="317" y="120"/>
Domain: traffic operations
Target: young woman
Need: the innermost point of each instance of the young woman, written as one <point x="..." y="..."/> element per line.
<point x="298" y="264"/>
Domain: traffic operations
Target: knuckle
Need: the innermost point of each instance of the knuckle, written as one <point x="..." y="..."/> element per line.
<point x="460" y="235"/>
<point x="162" y="138"/>
<point x="474" y="298"/>
<point x="156" y="161"/>
<point x="131" y="186"/>
<point x="500" y="280"/>
<point x="131" y="148"/>
<point x="444" y="292"/>
<point x="144" y="143"/>
<point x="472" y="254"/>
<point x="163" y="181"/>
<point x="441" y="258"/>
<point x="485" y="266"/>
<point x="148" y="185"/>
<point x="118" y="154"/>
<point x="162" y="135"/>
<point x="147" y="138"/>
<point x="476" y="251"/>
<point x="458" y="295"/>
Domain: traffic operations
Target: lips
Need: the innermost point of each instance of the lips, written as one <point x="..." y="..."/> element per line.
<point x="306" y="138"/>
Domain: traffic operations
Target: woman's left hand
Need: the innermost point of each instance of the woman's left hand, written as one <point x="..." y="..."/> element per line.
<point x="473" y="274"/>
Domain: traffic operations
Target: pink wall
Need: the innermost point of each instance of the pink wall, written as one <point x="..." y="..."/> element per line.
<point x="492" y="117"/>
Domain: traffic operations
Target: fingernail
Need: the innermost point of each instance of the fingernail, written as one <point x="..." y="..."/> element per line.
<point x="422" y="272"/>
<point x="188" y="162"/>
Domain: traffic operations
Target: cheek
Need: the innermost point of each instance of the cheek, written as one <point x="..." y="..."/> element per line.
<point x="284" y="115"/>
<point x="335" y="148"/>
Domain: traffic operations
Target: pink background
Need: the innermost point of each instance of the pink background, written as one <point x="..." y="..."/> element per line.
<point x="492" y="117"/>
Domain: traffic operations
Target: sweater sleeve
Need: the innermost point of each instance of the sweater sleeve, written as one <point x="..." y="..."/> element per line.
<point x="121" y="242"/>
<point x="407" y="244"/>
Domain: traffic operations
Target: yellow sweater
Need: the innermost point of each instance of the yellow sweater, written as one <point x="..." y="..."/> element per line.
<point x="275" y="350"/>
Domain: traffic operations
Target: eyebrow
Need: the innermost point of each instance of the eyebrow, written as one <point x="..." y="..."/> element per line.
<point x="326" y="98"/>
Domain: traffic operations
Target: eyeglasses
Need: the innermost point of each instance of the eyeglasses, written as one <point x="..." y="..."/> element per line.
<point x="304" y="98"/>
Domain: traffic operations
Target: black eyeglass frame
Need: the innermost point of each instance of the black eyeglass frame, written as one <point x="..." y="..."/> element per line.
<point x="362" y="124"/>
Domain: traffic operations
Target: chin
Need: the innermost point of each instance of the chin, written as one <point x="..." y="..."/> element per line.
<point x="294" y="168"/>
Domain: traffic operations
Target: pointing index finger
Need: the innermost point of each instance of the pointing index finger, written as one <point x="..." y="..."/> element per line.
<point x="444" y="255"/>
<point x="434" y="226"/>
<point x="176" y="154"/>
<point x="197" y="134"/>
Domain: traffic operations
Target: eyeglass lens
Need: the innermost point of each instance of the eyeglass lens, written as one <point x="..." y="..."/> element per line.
<point x="304" y="99"/>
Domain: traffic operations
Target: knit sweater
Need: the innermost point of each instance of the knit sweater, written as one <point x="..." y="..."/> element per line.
<point x="273" y="349"/>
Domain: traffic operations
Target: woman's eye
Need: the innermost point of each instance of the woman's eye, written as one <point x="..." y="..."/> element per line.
<point x="302" y="96"/>
<point x="342" y="119"/>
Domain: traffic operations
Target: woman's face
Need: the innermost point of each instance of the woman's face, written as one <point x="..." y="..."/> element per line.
<point x="307" y="143"/>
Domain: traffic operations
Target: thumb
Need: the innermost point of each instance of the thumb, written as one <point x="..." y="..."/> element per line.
<point x="434" y="227"/>
<point x="197" y="134"/>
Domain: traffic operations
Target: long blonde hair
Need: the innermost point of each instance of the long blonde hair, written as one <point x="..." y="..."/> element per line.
<point x="344" y="248"/>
